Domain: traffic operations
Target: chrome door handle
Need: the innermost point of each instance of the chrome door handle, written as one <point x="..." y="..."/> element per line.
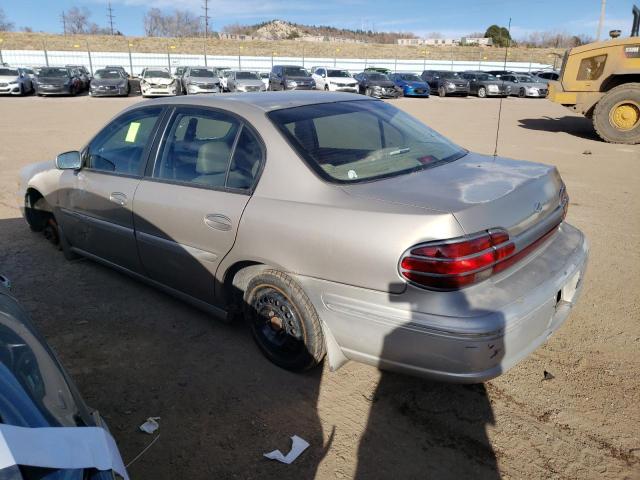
<point x="118" y="198"/>
<point x="218" y="222"/>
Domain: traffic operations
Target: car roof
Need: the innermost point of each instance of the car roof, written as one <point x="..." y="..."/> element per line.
<point x="261" y="101"/>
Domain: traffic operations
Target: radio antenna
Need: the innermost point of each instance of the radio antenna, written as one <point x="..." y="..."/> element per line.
<point x="506" y="53"/>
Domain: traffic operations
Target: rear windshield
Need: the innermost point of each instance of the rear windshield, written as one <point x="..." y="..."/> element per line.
<point x="348" y="142"/>
<point x="377" y="76"/>
<point x="247" y="76"/>
<point x="409" y="77"/>
<point x="484" y="77"/>
<point x="54" y="72"/>
<point x="157" y="74"/>
<point x="525" y="78"/>
<point x="201" y="73"/>
<point x="295" y="72"/>
<point x="107" y="74"/>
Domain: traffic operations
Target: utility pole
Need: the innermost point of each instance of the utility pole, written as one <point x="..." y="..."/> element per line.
<point x="63" y="19"/>
<point x="110" y="17"/>
<point x="205" y="7"/>
<point x="601" y="22"/>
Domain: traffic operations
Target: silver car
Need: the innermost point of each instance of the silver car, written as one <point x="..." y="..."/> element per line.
<point x="334" y="223"/>
<point x="244" y="81"/>
<point x="200" y="80"/>
<point x="13" y="81"/>
<point x="525" y="85"/>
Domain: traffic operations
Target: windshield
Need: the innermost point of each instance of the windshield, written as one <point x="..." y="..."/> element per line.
<point x="347" y="142"/>
<point x="107" y="74"/>
<point x="156" y="74"/>
<point x="8" y="72"/>
<point x="449" y="75"/>
<point x="525" y="78"/>
<point x="484" y="77"/>
<point x="409" y="77"/>
<point x="338" y="73"/>
<point x="201" y="73"/>
<point x="295" y="72"/>
<point x="54" y="72"/>
<point x="247" y="76"/>
<point x="377" y="76"/>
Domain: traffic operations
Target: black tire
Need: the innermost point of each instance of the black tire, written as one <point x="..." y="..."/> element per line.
<point x="21" y="94"/>
<point x="521" y="93"/>
<point x="368" y="92"/>
<point x="628" y="93"/>
<point x="284" y="323"/>
<point x="72" y="91"/>
<point x="482" y="92"/>
<point x="441" y="91"/>
<point x="326" y="87"/>
<point x="36" y="219"/>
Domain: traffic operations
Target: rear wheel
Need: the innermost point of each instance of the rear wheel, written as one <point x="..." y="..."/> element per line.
<point x="284" y="323"/>
<point x="616" y="117"/>
<point x="482" y="92"/>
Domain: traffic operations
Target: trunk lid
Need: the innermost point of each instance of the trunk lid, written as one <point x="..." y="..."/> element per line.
<point x="482" y="192"/>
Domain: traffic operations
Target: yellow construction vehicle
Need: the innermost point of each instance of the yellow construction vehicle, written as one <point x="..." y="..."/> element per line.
<point x="601" y="80"/>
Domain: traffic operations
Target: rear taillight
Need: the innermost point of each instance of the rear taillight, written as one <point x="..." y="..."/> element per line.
<point x="458" y="263"/>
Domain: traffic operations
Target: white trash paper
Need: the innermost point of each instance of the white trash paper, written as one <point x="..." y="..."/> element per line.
<point x="151" y="425"/>
<point x="60" y="448"/>
<point x="298" y="445"/>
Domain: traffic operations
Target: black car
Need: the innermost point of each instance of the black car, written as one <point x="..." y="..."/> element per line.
<point x="119" y="68"/>
<point x="446" y="82"/>
<point x="83" y="74"/>
<point x="58" y="81"/>
<point x="109" y="82"/>
<point x="290" y="77"/>
<point x="36" y="392"/>
<point x="377" y="85"/>
<point x="486" y="85"/>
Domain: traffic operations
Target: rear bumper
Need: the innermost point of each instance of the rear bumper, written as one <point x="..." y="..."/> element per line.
<point x="398" y="332"/>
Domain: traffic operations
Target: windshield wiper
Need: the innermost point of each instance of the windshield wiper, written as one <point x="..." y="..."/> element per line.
<point x="399" y="151"/>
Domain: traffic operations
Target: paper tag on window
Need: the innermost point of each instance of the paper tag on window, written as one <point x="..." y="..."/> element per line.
<point x="132" y="132"/>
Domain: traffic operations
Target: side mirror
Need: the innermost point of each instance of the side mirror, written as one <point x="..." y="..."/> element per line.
<point x="69" y="161"/>
<point x="324" y="75"/>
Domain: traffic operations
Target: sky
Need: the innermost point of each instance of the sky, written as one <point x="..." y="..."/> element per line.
<point x="451" y="19"/>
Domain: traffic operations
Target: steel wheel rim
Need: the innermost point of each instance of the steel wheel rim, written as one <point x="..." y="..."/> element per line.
<point x="277" y="323"/>
<point x="625" y="115"/>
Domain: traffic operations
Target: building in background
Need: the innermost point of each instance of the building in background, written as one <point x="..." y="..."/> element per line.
<point x="481" y="41"/>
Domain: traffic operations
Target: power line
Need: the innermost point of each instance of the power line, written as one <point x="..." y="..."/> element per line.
<point x="110" y="16"/>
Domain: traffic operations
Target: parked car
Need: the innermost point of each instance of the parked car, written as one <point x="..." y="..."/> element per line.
<point x="336" y="223"/>
<point x="290" y="77"/>
<point x="220" y="73"/>
<point x="156" y="82"/>
<point x="374" y="84"/>
<point x="485" y="85"/>
<point x="83" y="74"/>
<point x="108" y="83"/>
<point x="58" y="81"/>
<point x="264" y="76"/>
<point x="36" y="397"/>
<point x="244" y="81"/>
<point x="28" y="71"/>
<point x="411" y="84"/>
<point x="334" y="80"/>
<point x="14" y="82"/>
<point x="547" y="74"/>
<point x="200" y="80"/>
<point x="524" y="85"/>
<point x="445" y="82"/>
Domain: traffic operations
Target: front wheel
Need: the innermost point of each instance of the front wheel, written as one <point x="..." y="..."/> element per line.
<point x="442" y="92"/>
<point x="616" y="117"/>
<point x="284" y="323"/>
<point x="482" y="92"/>
<point x="521" y="93"/>
<point x="326" y="88"/>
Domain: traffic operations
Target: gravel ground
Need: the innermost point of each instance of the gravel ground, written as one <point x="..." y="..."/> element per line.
<point x="136" y="352"/>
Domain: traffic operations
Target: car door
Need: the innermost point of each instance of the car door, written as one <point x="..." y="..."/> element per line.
<point x="473" y="82"/>
<point x="188" y="206"/>
<point x="96" y="201"/>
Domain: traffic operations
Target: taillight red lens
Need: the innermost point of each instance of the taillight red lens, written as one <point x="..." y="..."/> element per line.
<point x="458" y="263"/>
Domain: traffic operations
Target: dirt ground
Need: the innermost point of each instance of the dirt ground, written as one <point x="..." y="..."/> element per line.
<point x="136" y="352"/>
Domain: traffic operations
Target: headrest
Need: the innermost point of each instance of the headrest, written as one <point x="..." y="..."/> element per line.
<point x="213" y="157"/>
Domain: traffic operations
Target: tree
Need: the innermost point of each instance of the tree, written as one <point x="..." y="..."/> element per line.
<point x="77" y="20"/>
<point x="500" y="35"/>
<point x="5" y="24"/>
<point x="179" y="23"/>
